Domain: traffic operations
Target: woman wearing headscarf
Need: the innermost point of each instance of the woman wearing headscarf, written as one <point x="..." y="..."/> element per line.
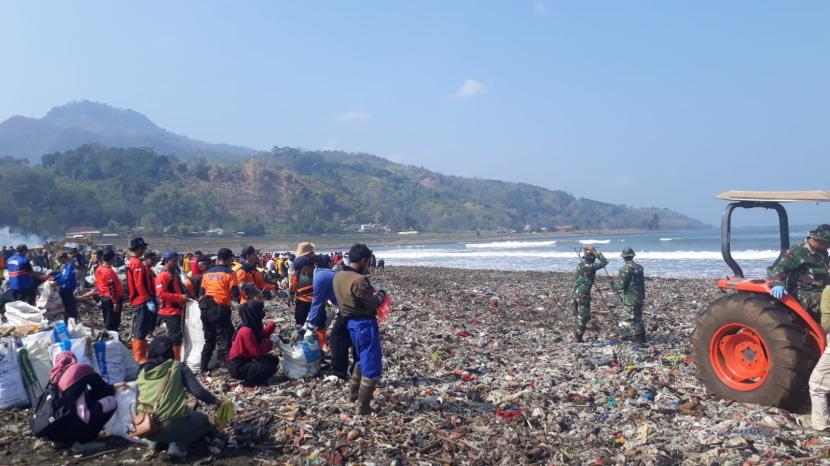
<point x="163" y="385"/>
<point x="249" y="360"/>
<point x="93" y="399"/>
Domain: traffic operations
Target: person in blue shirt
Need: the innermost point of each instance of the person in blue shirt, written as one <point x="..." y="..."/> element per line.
<point x="67" y="281"/>
<point x="20" y="272"/>
<point x="339" y="339"/>
<point x="323" y="292"/>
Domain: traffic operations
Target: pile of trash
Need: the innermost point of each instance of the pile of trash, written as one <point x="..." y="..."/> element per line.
<point x="480" y="368"/>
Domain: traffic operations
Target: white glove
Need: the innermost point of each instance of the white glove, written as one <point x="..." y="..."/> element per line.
<point x="310" y="333"/>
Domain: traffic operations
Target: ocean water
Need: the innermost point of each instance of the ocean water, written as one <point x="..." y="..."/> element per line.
<point x="687" y="254"/>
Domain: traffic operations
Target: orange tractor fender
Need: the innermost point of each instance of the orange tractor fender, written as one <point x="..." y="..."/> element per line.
<point x="763" y="287"/>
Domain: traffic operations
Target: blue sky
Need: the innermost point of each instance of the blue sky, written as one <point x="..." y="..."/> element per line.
<point x="642" y="103"/>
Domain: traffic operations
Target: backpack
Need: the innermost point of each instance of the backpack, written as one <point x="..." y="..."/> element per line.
<point x="53" y="412"/>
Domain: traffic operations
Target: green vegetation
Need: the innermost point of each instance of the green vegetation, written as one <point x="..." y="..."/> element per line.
<point x="287" y="190"/>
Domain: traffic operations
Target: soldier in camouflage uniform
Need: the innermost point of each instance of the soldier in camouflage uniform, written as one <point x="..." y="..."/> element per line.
<point x="802" y="270"/>
<point x="632" y="284"/>
<point x="586" y="271"/>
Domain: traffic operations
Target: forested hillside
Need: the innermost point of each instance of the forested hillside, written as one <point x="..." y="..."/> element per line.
<point x="286" y="190"/>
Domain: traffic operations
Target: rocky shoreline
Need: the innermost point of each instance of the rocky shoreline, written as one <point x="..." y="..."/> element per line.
<point x="480" y="368"/>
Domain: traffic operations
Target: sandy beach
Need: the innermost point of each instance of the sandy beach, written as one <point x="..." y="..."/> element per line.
<point x="480" y="368"/>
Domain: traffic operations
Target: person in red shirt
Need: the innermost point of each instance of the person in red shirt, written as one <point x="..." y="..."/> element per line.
<point x="142" y="299"/>
<point x="172" y="296"/>
<point x="250" y="360"/>
<point x="219" y="289"/>
<point x="110" y="290"/>
<point x="195" y="268"/>
<point x="250" y="278"/>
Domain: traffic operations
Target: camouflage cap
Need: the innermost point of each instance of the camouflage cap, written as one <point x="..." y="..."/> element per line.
<point x="627" y="252"/>
<point x="821" y="233"/>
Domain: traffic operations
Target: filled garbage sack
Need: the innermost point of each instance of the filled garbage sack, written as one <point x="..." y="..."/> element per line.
<point x="121" y="422"/>
<point x="82" y="348"/>
<point x="194" y="336"/>
<point x="36" y="362"/>
<point x="112" y="360"/>
<point x="300" y="360"/>
<point x="24" y="317"/>
<point x="12" y="391"/>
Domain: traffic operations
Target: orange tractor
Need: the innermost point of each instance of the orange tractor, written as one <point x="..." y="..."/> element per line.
<point x="749" y="346"/>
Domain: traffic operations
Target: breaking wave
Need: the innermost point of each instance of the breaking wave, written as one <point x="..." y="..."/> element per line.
<point x="510" y="244"/>
<point x="428" y="254"/>
<point x="594" y="241"/>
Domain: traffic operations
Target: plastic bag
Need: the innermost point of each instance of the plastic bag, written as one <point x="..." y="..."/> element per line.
<point x="301" y="360"/>
<point x="384" y="308"/>
<point x="194" y="336"/>
<point x="49" y="300"/>
<point x="77" y="329"/>
<point x="121" y="421"/>
<point x="12" y="391"/>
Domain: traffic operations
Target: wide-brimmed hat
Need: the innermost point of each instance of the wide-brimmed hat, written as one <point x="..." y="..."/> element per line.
<point x="305" y="248"/>
<point x="247" y="251"/>
<point x="137" y="243"/>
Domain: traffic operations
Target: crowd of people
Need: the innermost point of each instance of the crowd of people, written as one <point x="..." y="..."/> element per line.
<point x="156" y="289"/>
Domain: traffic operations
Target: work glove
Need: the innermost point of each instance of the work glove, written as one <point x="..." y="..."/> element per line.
<point x="267" y="294"/>
<point x="225" y="413"/>
<point x="778" y="291"/>
<point x="151" y="305"/>
<point x="310" y="335"/>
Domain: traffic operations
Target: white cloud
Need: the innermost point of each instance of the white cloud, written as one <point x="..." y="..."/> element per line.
<point x="470" y="88"/>
<point x="357" y="115"/>
<point x="541" y="8"/>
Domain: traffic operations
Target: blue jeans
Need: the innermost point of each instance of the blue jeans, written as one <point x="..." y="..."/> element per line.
<point x="366" y="341"/>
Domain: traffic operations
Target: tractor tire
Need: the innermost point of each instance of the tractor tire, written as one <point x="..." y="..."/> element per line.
<point x="753" y="349"/>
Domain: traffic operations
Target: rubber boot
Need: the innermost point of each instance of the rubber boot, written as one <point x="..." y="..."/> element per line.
<point x="364" y="396"/>
<point x="354" y="383"/>
<point x="820" y="413"/>
<point x="140" y="351"/>
<point x="177" y="353"/>
<point x="204" y="365"/>
<point x="639" y="338"/>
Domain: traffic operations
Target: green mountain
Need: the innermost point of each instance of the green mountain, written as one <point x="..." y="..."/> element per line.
<point x="83" y="122"/>
<point x="287" y="190"/>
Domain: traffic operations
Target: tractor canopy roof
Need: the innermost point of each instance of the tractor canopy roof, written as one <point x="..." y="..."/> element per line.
<point x="776" y="196"/>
